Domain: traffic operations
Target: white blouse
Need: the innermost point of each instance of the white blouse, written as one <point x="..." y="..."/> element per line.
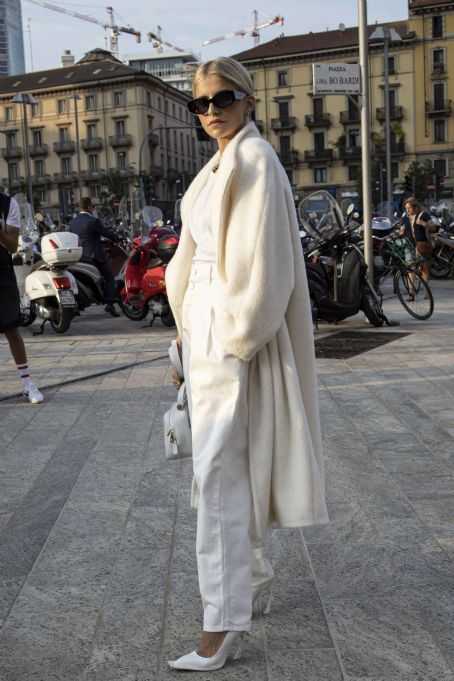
<point x="200" y="225"/>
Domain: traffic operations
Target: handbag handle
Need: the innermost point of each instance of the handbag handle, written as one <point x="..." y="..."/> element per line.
<point x="175" y="358"/>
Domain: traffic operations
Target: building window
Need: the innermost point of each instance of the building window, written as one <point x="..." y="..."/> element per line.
<point x="173" y="109"/>
<point x="118" y="98"/>
<point x="66" y="165"/>
<point x="91" y="131"/>
<point x="9" y="113"/>
<point x="437" y="27"/>
<point x="35" y="110"/>
<point x="89" y="103"/>
<point x="391" y="65"/>
<point x="42" y="196"/>
<point x="94" y="191"/>
<point x="148" y="99"/>
<point x="282" y="78"/>
<point x="37" y="138"/>
<point x="319" y="141"/>
<point x="438" y="61"/>
<point x="439" y="130"/>
<point x="159" y="104"/>
<point x="320" y="175"/>
<point x="285" y="148"/>
<point x="10" y="140"/>
<point x="440" y="167"/>
<point x="93" y="162"/>
<point x="317" y="106"/>
<point x="122" y="160"/>
<point x="13" y="171"/>
<point x="63" y="134"/>
<point x="353" y="173"/>
<point x="354" y="138"/>
<point x="39" y="168"/>
<point x="120" y="127"/>
<point x="439" y="96"/>
<point x="394" y="169"/>
<point x="61" y="106"/>
<point x="284" y="110"/>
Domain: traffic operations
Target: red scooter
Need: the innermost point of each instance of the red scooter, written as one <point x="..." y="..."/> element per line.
<point x="145" y="288"/>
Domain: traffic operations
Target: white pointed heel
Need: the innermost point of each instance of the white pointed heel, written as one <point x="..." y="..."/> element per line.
<point x="194" y="662"/>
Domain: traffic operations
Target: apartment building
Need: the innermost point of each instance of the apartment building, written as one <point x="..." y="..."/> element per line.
<point x="432" y="23"/>
<point x="117" y="107"/>
<point x="318" y="136"/>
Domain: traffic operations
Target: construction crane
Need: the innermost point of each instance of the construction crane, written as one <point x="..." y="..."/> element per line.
<point x="254" y="31"/>
<point x="111" y="25"/>
<point x="158" y="42"/>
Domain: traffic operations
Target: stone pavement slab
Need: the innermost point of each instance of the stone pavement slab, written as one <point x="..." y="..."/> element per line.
<point x="97" y="568"/>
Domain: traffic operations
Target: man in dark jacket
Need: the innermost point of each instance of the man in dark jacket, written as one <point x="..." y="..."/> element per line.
<point x="90" y="231"/>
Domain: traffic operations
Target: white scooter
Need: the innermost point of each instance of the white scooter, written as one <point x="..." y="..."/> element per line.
<point x="48" y="290"/>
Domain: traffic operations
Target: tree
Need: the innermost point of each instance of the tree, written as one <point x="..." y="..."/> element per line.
<point x="117" y="185"/>
<point x="421" y="175"/>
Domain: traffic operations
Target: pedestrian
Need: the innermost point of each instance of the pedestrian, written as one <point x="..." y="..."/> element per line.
<point x="416" y="226"/>
<point x="90" y="231"/>
<point x="238" y="290"/>
<point x="9" y="294"/>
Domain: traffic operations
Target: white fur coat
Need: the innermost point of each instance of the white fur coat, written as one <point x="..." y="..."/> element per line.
<point x="265" y="292"/>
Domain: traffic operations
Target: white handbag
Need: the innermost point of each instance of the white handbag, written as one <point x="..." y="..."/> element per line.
<point x="177" y="425"/>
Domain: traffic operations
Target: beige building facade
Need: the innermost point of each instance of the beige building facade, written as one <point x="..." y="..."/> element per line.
<point x="318" y="136"/>
<point x="119" y="109"/>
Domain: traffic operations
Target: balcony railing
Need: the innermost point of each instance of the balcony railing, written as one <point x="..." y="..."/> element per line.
<point x="156" y="171"/>
<point x="38" y="149"/>
<point x="283" y="123"/>
<point x="153" y="140"/>
<point x="353" y="116"/>
<point x="41" y="180"/>
<point x="65" y="178"/>
<point x="12" y="152"/>
<point x="289" y="158"/>
<point x="438" y="69"/>
<point x="14" y="182"/>
<point x="64" y="147"/>
<point x="396" y="113"/>
<point x="350" y="153"/>
<point x="172" y="174"/>
<point x="91" y="143"/>
<point x="120" y="140"/>
<point x="93" y="175"/>
<point x="317" y="155"/>
<point x="322" y="120"/>
<point x="397" y="149"/>
<point x="126" y="172"/>
<point x="439" y="107"/>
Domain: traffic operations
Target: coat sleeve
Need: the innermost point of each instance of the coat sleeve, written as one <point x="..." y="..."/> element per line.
<point x="260" y="276"/>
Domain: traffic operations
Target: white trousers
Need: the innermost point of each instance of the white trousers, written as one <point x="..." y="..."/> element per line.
<point x="217" y="394"/>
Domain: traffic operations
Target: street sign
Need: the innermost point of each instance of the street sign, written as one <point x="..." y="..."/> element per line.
<point x="335" y="79"/>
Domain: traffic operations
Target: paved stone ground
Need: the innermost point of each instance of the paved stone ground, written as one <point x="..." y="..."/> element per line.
<point x="97" y="569"/>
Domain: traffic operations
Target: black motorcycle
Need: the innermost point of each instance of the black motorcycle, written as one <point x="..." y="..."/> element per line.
<point x="336" y="269"/>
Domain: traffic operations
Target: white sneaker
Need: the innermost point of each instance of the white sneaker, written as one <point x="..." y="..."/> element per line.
<point x="32" y="394"/>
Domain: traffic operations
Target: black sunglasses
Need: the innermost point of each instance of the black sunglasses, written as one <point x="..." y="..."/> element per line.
<point x="221" y="100"/>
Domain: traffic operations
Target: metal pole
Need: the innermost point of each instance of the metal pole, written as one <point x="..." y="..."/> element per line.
<point x="365" y="136"/>
<point x="27" y="155"/>
<point x="76" y="114"/>
<point x="389" y="184"/>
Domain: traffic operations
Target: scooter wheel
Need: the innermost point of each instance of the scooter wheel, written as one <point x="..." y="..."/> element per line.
<point x="131" y="312"/>
<point x="168" y="319"/>
<point x="27" y="318"/>
<point x="372" y="309"/>
<point x="62" y="320"/>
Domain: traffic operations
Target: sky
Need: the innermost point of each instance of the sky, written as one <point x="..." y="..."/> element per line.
<point x="185" y="24"/>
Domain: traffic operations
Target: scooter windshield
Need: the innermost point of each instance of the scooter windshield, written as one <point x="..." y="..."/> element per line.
<point x="321" y="216"/>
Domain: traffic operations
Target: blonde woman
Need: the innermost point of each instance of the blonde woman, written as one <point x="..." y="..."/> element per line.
<point x="237" y="287"/>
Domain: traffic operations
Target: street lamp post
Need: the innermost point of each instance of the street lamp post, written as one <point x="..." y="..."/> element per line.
<point x="365" y="136"/>
<point x="24" y="99"/>
<point x="386" y="35"/>
<point x="76" y="98"/>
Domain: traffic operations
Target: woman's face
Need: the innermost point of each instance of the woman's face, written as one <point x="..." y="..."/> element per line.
<point x="410" y="210"/>
<point x="222" y="124"/>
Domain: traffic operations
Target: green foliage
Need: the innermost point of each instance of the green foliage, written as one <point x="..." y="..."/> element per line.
<point x="422" y="175"/>
<point x="116" y="185"/>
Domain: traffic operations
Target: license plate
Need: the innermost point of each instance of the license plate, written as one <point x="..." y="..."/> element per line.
<point x="67" y="298"/>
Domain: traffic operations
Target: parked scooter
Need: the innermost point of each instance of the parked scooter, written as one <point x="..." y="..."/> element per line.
<point x="145" y="290"/>
<point x="442" y="260"/>
<point x="47" y="289"/>
<point x="336" y="269"/>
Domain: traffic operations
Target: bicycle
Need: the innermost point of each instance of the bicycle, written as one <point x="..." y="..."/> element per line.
<point x="398" y="258"/>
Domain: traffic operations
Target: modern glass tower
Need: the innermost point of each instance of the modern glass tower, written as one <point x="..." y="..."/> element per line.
<point x="12" y="58"/>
